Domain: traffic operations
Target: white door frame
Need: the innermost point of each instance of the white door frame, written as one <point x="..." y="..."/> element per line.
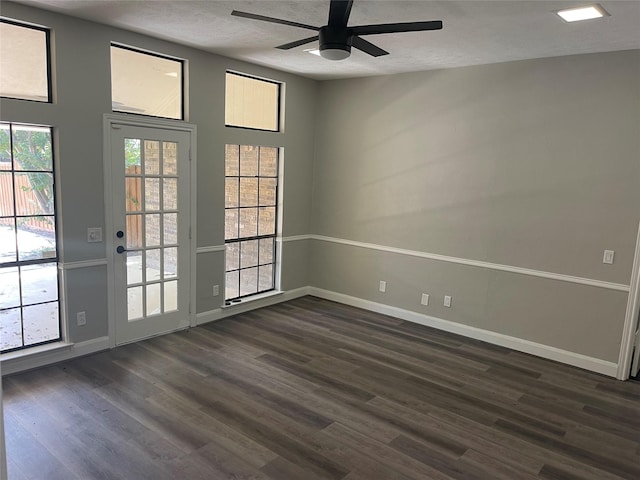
<point x="110" y="119"/>
<point x="631" y="317"/>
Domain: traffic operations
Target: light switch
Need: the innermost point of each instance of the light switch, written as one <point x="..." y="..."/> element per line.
<point x="94" y="235"/>
<point x="383" y="286"/>
<point x="608" y="257"/>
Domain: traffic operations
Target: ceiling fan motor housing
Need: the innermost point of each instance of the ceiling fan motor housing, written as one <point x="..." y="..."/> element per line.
<point x="335" y="43"/>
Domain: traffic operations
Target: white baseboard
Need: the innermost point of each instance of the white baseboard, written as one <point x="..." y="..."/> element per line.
<point x="53" y="354"/>
<point x="62" y="352"/>
<point x="545" y="351"/>
<point x="279" y="297"/>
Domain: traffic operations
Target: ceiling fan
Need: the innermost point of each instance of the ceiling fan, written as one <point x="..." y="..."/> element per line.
<point x="336" y="38"/>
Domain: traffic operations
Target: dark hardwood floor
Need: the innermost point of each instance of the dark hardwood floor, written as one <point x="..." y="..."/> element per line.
<point x="311" y="389"/>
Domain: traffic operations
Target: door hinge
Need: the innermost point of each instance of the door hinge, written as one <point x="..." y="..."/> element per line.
<point x="189" y="232"/>
<point x="189" y="154"/>
<point x="189" y="307"/>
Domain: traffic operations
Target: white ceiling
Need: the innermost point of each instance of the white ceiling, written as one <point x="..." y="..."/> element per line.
<point x="475" y="31"/>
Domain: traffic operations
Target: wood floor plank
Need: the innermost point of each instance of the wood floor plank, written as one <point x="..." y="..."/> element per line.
<point x="579" y="416"/>
<point x="311" y="389"/>
<point x="620" y="466"/>
<point x="306" y="394"/>
<point x="495" y="468"/>
<point x="434" y="458"/>
<point x="273" y="430"/>
<point x="514" y="451"/>
<point x="396" y="460"/>
<point x="289" y="448"/>
<point x="307" y="373"/>
<point x="153" y="420"/>
<point x="241" y="445"/>
<point x="344" y="452"/>
<point x="284" y="469"/>
<point x="28" y="457"/>
<point x="229" y="464"/>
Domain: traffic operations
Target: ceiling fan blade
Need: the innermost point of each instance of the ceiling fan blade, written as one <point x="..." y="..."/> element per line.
<point x="367" y="47"/>
<point x="339" y="11"/>
<point x="396" y="27"/>
<point x="262" y="18"/>
<point x="288" y="46"/>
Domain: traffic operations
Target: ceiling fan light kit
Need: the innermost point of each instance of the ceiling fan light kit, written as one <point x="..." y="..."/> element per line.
<point x="335" y="43"/>
<point x="336" y="38"/>
<point x="335" y="53"/>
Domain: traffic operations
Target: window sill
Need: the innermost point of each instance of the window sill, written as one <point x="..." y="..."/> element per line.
<point x="27" y="352"/>
<point x="252" y="298"/>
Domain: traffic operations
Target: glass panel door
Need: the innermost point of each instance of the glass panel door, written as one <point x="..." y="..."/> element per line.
<point x="151" y="215"/>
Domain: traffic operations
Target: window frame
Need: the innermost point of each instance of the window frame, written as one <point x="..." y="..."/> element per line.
<point x="275" y="235"/>
<point x="47" y="36"/>
<point x="142" y="51"/>
<point x="278" y="100"/>
<point x="54" y="259"/>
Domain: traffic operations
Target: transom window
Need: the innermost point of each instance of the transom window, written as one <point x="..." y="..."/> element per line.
<point x="252" y="102"/>
<point x="146" y="83"/>
<point x="29" y="307"/>
<point x="251" y="197"/>
<point x="24" y="62"/>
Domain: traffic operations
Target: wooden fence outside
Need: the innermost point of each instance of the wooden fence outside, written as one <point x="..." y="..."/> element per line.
<point x="136" y="208"/>
<point x="133" y="203"/>
<point x="24" y="202"/>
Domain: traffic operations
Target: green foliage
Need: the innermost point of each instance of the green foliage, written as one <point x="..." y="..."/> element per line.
<point x="31" y="148"/>
<point x="132" y="152"/>
<point x="5" y="144"/>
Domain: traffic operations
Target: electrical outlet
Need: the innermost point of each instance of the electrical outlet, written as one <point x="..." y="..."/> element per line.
<point x="216" y="290"/>
<point x="94" y="235"/>
<point x="81" y="317"/>
<point x="608" y="257"/>
<point x="383" y="286"/>
<point x="447" y="301"/>
<point x="425" y="299"/>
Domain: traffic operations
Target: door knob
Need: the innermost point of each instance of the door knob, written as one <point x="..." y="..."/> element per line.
<point x="119" y="234"/>
<point x="121" y="249"/>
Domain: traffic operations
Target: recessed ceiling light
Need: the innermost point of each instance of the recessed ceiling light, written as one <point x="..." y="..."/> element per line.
<point x="312" y="51"/>
<point x="582" y="13"/>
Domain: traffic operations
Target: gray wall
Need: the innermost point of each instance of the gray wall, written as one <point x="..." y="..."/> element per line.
<point x="533" y="164"/>
<point x="81" y="67"/>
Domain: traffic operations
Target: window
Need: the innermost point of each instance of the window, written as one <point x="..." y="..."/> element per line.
<point x="146" y="84"/>
<point x="151" y="206"/>
<point x="251" y="197"/>
<point x="29" y="308"/>
<point x="24" y="62"/>
<point x="252" y="103"/>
